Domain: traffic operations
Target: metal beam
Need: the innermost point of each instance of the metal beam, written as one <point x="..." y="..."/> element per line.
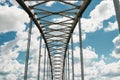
<point x="117" y="10"/>
<point x="38" y="26"/>
<point x="81" y="10"/>
<point x="47" y="35"/>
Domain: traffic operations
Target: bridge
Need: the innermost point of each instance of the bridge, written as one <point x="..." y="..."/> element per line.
<point x="56" y="25"/>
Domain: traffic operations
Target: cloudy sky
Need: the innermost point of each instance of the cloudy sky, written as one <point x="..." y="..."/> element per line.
<point x="101" y="42"/>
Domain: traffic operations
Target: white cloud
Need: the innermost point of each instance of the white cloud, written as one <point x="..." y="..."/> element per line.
<point x="94" y="70"/>
<point x="88" y="53"/>
<point x="76" y="37"/>
<point x="14" y="2"/>
<point x="102" y="11"/>
<point x="53" y="2"/>
<point x="12" y="19"/>
<point x="116" y="51"/>
<point x="111" y="27"/>
<point x="10" y="68"/>
<point x="2" y="1"/>
<point x="72" y="1"/>
<point x="100" y="70"/>
<point x="50" y="3"/>
<point x="9" y="54"/>
<point x="89" y="25"/>
<point x="76" y="34"/>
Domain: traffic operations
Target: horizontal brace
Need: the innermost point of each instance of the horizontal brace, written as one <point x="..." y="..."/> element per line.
<point x="57" y="60"/>
<point x="40" y="9"/>
<point x="38" y="3"/>
<point x="41" y="13"/>
<point x="59" y="30"/>
<point x="57" y="56"/>
<point x="51" y="43"/>
<point x="57" y="74"/>
<point x="54" y="35"/>
<point x="59" y="49"/>
<point x="56" y="71"/>
<point x="57" y="64"/>
<point x="76" y="6"/>
<point x="57" y="45"/>
<point x="55" y="23"/>
<point x="53" y="40"/>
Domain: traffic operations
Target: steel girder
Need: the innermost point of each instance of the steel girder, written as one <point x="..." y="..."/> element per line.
<point x="117" y="10"/>
<point x="56" y="24"/>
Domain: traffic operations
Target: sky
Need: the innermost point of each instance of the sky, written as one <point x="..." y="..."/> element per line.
<point x="101" y="42"/>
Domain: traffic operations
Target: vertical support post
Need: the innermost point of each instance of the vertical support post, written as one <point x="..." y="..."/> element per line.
<point x="38" y="77"/>
<point x="117" y="10"/>
<point x="64" y="73"/>
<point x="66" y="69"/>
<point x="68" y="65"/>
<point x="47" y="68"/>
<point x="28" y="50"/>
<point x="72" y="57"/>
<point x="50" y="76"/>
<point x="81" y="51"/>
<point x="44" y="63"/>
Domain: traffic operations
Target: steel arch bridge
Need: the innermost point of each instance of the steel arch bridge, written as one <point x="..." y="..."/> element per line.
<point x="56" y="27"/>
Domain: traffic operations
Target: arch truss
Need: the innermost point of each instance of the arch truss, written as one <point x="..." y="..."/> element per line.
<point x="56" y="24"/>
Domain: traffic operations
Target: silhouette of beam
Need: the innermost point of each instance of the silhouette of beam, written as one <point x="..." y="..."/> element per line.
<point x="37" y="24"/>
<point x="117" y="10"/>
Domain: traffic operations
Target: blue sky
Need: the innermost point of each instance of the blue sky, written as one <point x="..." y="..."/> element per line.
<point x="101" y="42"/>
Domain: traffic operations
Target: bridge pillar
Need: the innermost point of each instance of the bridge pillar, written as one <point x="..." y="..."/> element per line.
<point x="117" y="10"/>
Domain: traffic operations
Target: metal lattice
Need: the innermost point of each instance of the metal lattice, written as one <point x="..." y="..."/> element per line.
<point x="56" y="24"/>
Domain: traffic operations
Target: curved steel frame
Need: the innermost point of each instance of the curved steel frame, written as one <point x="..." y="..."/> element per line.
<point x="55" y="44"/>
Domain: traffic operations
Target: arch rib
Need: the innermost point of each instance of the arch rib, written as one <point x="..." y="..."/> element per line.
<point x="64" y="34"/>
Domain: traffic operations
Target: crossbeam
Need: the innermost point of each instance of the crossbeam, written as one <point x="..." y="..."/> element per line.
<point x="56" y="28"/>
